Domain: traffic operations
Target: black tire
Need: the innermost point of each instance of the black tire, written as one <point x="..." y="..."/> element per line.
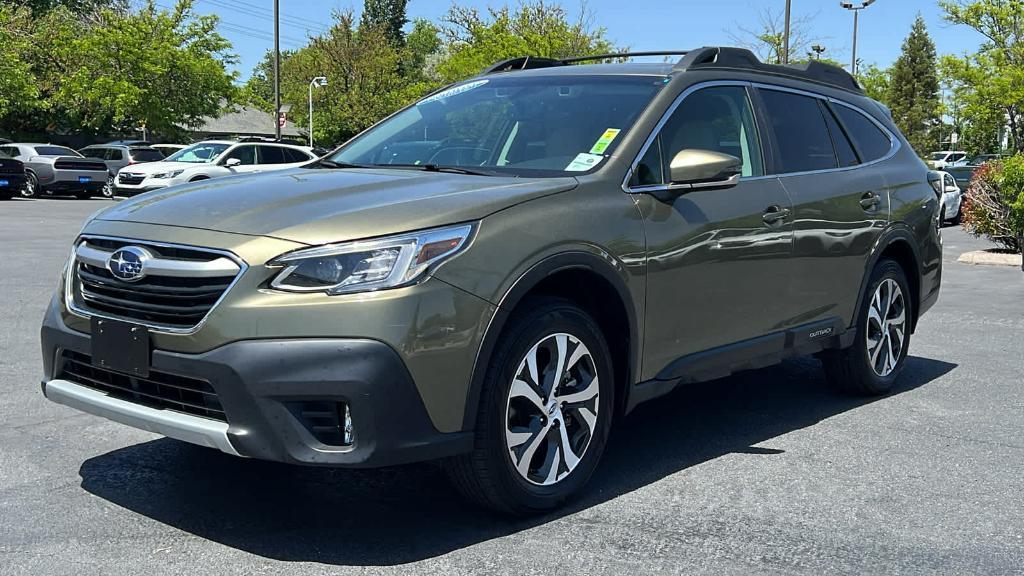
<point x="851" y="370"/>
<point x="487" y="475"/>
<point x="959" y="214"/>
<point x="31" y="188"/>
<point x="942" y="215"/>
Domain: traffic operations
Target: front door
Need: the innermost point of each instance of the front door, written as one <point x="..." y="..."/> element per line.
<point x="718" y="259"/>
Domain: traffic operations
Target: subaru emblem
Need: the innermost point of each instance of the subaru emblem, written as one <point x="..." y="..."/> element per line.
<point x="129" y="263"/>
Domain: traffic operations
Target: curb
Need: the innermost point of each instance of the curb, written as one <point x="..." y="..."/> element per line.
<point x="985" y="258"/>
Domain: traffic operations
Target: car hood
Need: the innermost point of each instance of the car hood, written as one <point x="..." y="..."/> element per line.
<point x="149" y="168"/>
<point x="322" y="206"/>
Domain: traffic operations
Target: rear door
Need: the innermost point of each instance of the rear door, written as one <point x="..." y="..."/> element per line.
<point x="246" y="154"/>
<point x="718" y="259"/>
<point x="841" y="203"/>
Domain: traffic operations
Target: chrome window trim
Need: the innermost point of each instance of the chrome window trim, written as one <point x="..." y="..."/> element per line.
<point x="661" y="124"/>
<point x="894" y="143"/>
<point x="69" y="300"/>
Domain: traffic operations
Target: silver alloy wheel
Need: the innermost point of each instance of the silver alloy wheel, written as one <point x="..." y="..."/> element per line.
<point x="886" y="329"/>
<point x="552" y="409"/>
<point x="108" y="189"/>
<point x="29" y="189"/>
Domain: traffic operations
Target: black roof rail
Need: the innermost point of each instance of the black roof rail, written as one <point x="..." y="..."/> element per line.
<point x="743" y="59"/>
<point x="708" y="57"/>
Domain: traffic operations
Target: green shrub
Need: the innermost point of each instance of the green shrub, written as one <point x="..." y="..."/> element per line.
<point x="994" y="204"/>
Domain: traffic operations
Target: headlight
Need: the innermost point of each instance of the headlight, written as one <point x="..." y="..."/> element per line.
<point x="168" y="175"/>
<point x="363" y="266"/>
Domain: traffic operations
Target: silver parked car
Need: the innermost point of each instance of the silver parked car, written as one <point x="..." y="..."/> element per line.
<point x="117" y="156"/>
<point x="54" y="170"/>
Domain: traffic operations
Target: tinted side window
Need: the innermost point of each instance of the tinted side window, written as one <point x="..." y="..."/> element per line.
<point x="114" y="154"/>
<point x="869" y="139"/>
<point x="844" y="149"/>
<point x="146" y="155"/>
<point x="247" y="154"/>
<point x="94" y="152"/>
<point x="717" y="119"/>
<point x="801" y="137"/>
<point x="292" y="155"/>
<point x="648" y="170"/>
<point x="271" y="155"/>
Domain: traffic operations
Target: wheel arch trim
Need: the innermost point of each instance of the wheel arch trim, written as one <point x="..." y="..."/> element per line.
<point x="898" y="233"/>
<point x="576" y="259"/>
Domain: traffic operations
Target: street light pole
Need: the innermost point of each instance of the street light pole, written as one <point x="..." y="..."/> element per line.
<point x="318" y="81"/>
<point x="785" y="36"/>
<point x="856" y="12"/>
<point x="277" y="69"/>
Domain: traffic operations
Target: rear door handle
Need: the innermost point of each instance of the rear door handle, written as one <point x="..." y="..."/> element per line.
<point x="775" y="214"/>
<point x="870" y="200"/>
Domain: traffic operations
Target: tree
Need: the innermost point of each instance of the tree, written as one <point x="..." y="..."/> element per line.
<point x="389" y="16"/>
<point x="875" y="81"/>
<point x="767" y="39"/>
<point x="474" y="41"/>
<point x="991" y="81"/>
<point x="259" y="88"/>
<point x="154" y="68"/>
<point x="18" y="91"/>
<point x="914" y="90"/>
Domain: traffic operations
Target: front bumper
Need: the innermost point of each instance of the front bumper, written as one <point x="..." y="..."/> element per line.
<point x="256" y="381"/>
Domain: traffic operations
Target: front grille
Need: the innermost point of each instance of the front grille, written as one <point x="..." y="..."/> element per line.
<point x="79" y="165"/>
<point x="158" y="390"/>
<point x="130" y="179"/>
<point x="174" y="301"/>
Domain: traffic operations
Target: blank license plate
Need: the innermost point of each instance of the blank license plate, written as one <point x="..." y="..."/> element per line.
<point x="120" y="346"/>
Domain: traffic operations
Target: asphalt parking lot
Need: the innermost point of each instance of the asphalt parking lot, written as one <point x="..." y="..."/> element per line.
<point x="764" y="472"/>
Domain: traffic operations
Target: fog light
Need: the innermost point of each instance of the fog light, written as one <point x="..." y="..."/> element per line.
<point x="329" y="422"/>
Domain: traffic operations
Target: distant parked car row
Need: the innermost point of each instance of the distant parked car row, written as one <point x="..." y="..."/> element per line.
<point x="129" y="167"/>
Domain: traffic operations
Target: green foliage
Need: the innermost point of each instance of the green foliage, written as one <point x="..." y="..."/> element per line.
<point x="990" y="84"/>
<point x="388" y="16"/>
<point x="914" y="90"/>
<point x="116" y="71"/>
<point x="875" y="81"/>
<point x="475" y="41"/>
<point x="40" y="7"/>
<point x="994" y="205"/>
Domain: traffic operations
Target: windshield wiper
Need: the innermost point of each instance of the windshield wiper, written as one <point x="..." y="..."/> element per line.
<point x="325" y="163"/>
<point x="435" y="168"/>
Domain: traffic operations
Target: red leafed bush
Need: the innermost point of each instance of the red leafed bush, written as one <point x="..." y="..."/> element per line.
<point x="994" y="203"/>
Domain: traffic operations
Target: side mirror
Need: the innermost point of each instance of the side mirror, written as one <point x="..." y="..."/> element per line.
<point x="704" y="169"/>
<point x="232" y="162"/>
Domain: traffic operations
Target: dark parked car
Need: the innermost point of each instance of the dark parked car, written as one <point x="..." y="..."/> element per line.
<point x="12" y="177"/>
<point x="494" y="274"/>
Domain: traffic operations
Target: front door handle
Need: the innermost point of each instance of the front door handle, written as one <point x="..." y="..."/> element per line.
<point x="870" y="201"/>
<point x="775" y="214"/>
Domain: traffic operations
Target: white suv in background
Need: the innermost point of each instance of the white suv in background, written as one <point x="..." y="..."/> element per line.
<point x="211" y="159"/>
<point x="947" y="159"/>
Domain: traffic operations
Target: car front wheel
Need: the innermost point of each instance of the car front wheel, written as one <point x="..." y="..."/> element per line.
<point x="545" y="412"/>
<point x="108" y="188"/>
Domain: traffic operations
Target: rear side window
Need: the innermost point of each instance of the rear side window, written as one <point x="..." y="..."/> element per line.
<point x="114" y="154"/>
<point x="271" y="155"/>
<point x="94" y="153"/>
<point x="869" y="139"/>
<point x="844" y="149"/>
<point x="801" y="136"/>
<point x="291" y="155"/>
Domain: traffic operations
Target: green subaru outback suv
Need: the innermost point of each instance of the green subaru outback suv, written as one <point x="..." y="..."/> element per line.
<point x="496" y="274"/>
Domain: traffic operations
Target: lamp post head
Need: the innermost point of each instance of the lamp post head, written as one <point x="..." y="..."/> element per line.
<point x="320" y="81"/>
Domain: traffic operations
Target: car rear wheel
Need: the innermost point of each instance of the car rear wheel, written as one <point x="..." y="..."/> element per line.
<point x="108" y="188"/>
<point x="873" y="363"/>
<point x="31" y="188"/>
<point x="545" y="412"/>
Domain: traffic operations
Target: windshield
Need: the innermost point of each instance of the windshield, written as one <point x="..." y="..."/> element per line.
<point x="55" y="151"/>
<point x="530" y="126"/>
<point x="198" y="153"/>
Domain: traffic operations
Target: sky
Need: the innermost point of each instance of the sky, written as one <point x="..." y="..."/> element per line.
<point x="638" y="24"/>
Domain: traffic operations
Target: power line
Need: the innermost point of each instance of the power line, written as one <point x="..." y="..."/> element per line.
<point x="250" y="9"/>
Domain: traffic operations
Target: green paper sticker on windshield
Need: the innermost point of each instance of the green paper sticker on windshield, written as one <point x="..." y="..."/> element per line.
<point x="584" y="162"/>
<point x="605" y="141"/>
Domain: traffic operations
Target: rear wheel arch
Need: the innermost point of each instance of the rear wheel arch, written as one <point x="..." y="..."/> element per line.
<point x="605" y="297"/>
<point x="899" y="245"/>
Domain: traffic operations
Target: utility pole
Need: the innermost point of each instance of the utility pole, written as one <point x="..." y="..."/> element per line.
<point x="785" y="36"/>
<point x="277" y="69"/>
<point x="856" y="12"/>
<point x="318" y="81"/>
